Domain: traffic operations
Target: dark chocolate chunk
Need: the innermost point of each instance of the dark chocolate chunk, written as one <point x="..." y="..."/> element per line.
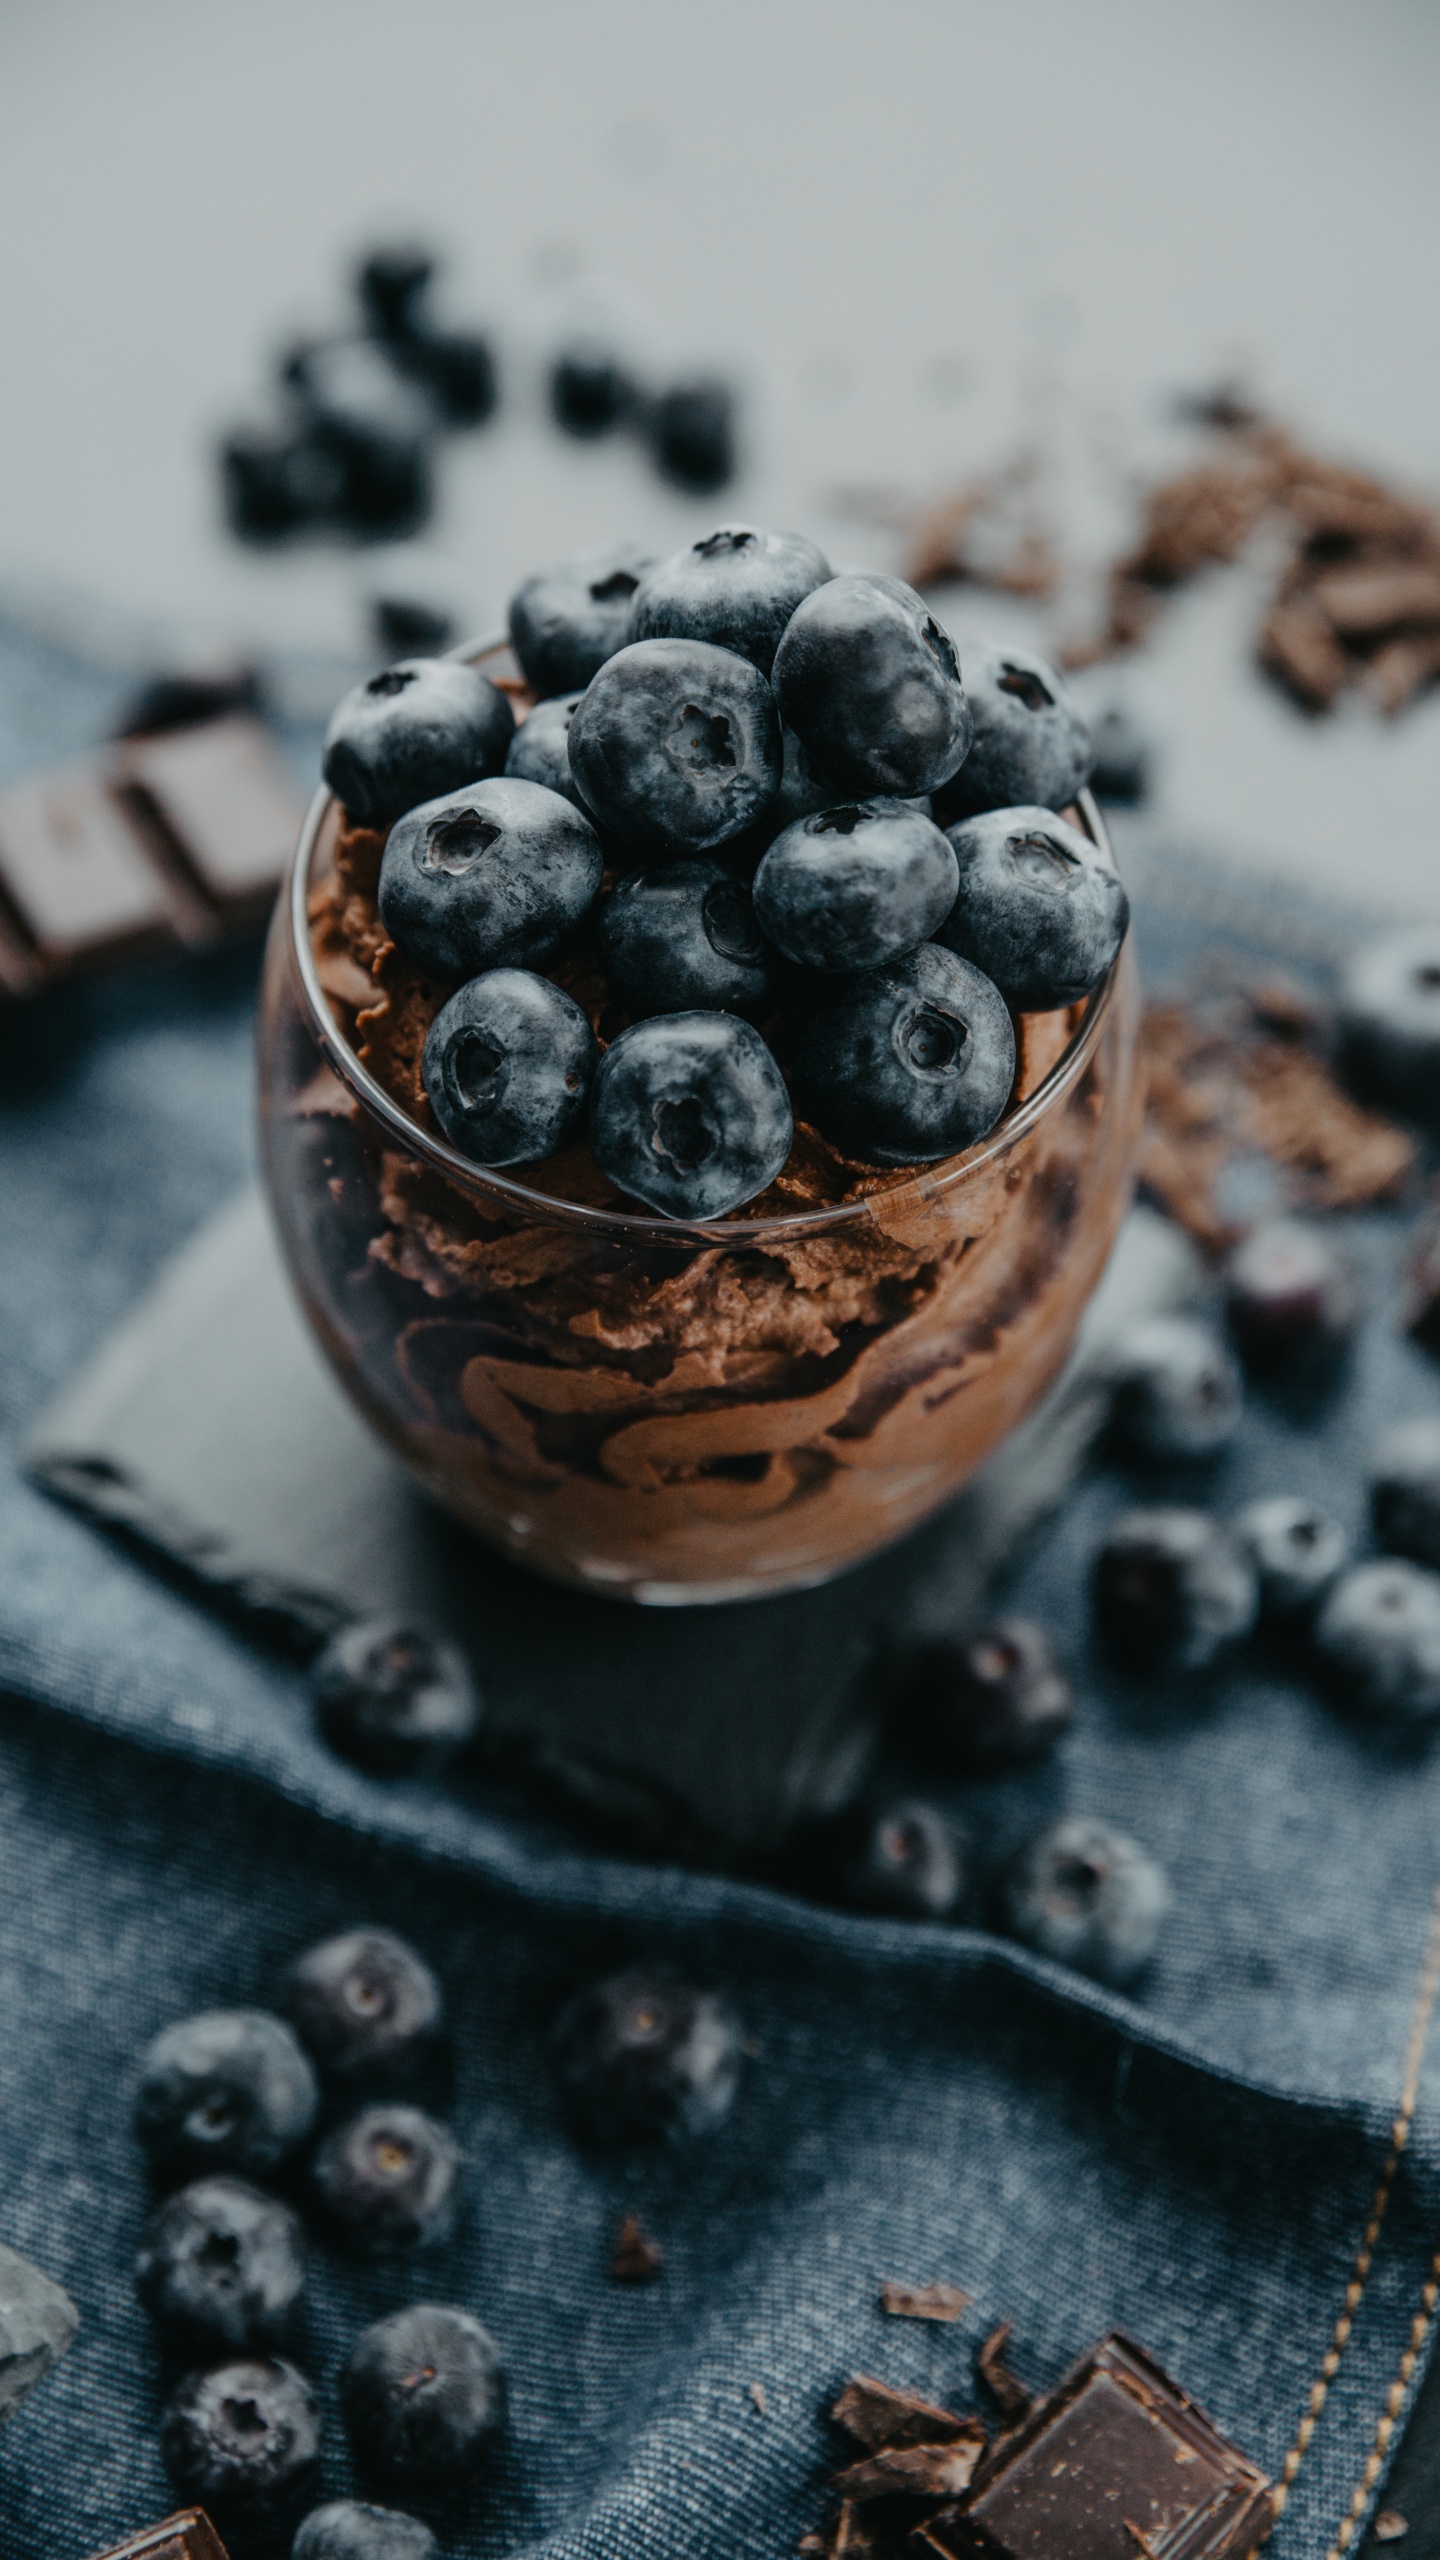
<point x="226" y="801"/>
<point x="877" y="2416"/>
<point x="921" y="2301"/>
<point x="635" y="2258"/>
<point x="915" y="2470"/>
<point x="190" y="2535"/>
<point x="1006" y="2390"/>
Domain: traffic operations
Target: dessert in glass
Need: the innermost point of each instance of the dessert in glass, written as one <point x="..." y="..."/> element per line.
<point x="695" y="1117"/>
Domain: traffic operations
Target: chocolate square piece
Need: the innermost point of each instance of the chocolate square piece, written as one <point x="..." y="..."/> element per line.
<point x="187" y="2536"/>
<point x="226" y="803"/>
<point x="1116" y="2463"/>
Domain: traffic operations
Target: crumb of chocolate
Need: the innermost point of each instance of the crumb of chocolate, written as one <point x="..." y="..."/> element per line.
<point x="915" y="2470"/>
<point x="1008" y="2392"/>
<point x="757" y="2394"/>
<point x="877" y="2415"/>
<point x="921" y="2301"/>
<point x="1390" y="2525"/>
<point x="635" y="2258"/>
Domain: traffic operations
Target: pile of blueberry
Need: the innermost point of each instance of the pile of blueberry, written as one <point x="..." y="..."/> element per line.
<point x="353" y="451"/>
<point x="818" y="869"/>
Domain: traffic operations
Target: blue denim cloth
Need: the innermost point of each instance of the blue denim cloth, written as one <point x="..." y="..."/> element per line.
<point x="1194" y="2165"/>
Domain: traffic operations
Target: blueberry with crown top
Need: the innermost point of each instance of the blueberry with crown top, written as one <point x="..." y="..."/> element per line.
<point x="1031" y="748"/>
<point x="689" y="1114"/>
<point x="645" y="2057"/>
<point x="676" y="747"/>
<point x="1173" y="1588"/>
<point x="991" y="1700"/>
<point x="1088" y="1896"/>
<point x="908" y="1062"/>
<point x="392" y="1698"/>
<point x="1378" y="1641"/>
<point x="901" y="1856"/>
<point x="423" y="2397"/>
<point x="1039" y="907"/>
<point x="243" y="2438"/>
<point x="419" y="729"/>
<point x="508" y="1064"/>
<point x="566" y="622"/>
<point x="388" y="2178"/>
<point x="682" y="936"/>
<point x="855" y="885"/>
<point x="690" y="426"/>
<point x="1293" y="1301"/>
<point x="1405" y="1491"/>
<point x="540" y="748"/>
<point x="1177" y="1391"/>
<point x="229" y="2089"/>
<point x="366" y="2007"/>
<point x="1297" y="1550"/>
<point x="220" y="2265"/>
<point x="1390" y="1022"/>
<point x="491" y="877"/>
<point x="348" y="2529"/>
<point x="870" y="684"/>
<point x="736" y="587"/>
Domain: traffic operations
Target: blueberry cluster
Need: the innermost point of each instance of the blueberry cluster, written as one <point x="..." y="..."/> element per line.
<point x="687" y="426"/>
<point x="814" y="866"/>
<point x="353" y="451"/>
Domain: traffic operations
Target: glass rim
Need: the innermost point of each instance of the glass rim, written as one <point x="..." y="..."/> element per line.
<point x="916" y="1182"/>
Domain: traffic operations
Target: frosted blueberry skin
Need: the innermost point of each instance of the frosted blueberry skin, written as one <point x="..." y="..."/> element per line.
<point x="488" y="878"/>
<point x="387" y="2179"/>
<point x="736" y="587"/>
<point x="393" y="1699"/>
<point x="228" y="2089"/>
<point x="242" y="2438"/>
<point x="568" y="620"/>
<point x="540" y="748"/>
<point x="689" y="1114"/>
<point x="678" y="937"/>
<point x="507" y="1065"/>
<point x="423" y="2397"/>
<point x="676" y="746"/>
<point x="1390" y="1022"/>
<point x="1405" y="1491"/>
<point x="416" y="731"/>
<point x="1293" y="1300"/>
<point x="348" y="2529"/>
<point x="1177" y="1391"/>
<point x="908" y="1062"/>
<point x="645" y="2057"/>
<point x="870" y="684"/>
<point x="1088" y="1896"/>
<point x="365" y="2005"/>
<point x="1031" y="748"/>
<point x="854" y="885"/>
<point x="1173" y="1588"/>
<point x="901" y="1856"/>
<point x="1297" y="1550"/>
<point x="1039" y="907"/>
<point x="1377" y="1638"/>
<point x="221" y="2266"/>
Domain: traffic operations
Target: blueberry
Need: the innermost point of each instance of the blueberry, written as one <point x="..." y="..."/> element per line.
<point x="871" y="686"/>
<point x="410" y="599"/>
<point x="1378" y="1640"/>
<point x="423" y="2396"/>
<point x="1121" y="771"/>
<point x="1039" y="908"/>
<point x="490" y="877"/>
<point x="1178" y="1392"/>
<point x="412" y="733"/>
<point x="378" y="429"/>
<point x="507" y="1066"/>
<point x="907" y="1063"/>
<point x="220" y="2266"/>
<point x="243" y="2436"/>
<point x="1405" y="1491"/>
<point x="1031" y="749"/>
<point x="392" y="1698"/>
<point x="229" y="2089"/>
<point x="678" y="936"/>
<point x="676" y="746"/>
<point x="392" y="283"/>
<point x="689" y="1113"/>
<point x="1390" y="1022"/>
<point x="691" y="430"/>
<point x="387" y="2179"/>
<point x="1173" y="1588"/>
<point x="1087" y="1896"/>
<point x="1297" y="1550"/>
<point x="736" y="587"/>
<point x="566" y="622"/>
<point x="643" y="2057"/>
<point x="365" y="2006"/>
<point x="855" y="885"/>
<point x="992" y="1700"/>
<point x="901" y="1856"/>
<point x="277" y="482"/>
<point x="456" y="367"/>
<point x="1293" y="1301"/>
<point x="590" y="391"/>
<point x="540" y="748"/>
<point x="347" y="2529"/>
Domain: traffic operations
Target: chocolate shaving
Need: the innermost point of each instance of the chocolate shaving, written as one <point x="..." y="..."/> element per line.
<point x="921" y="2301"/>
<point x="1008" y="2392"/>
<point x="636" y="2259"/>
<point x="879" y="2417"/>
<point x="915" y="2470"/>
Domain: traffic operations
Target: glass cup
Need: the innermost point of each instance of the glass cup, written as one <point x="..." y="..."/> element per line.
<point x="674" y="1413"/>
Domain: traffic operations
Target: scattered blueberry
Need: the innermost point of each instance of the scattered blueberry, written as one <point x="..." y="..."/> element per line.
<point x="490" y="877"/>
<point x="1405" y="1491"/>
<point x="642" y="2057"/>
<point x="414" y="732"/>
<point x="855" y="885"/>
<point x="243" y="2436"/>
<point x="736" y="587"/>
<point x="689" y="1113"/>
<point x="411" y="600"/>
<point x="365" y="2006"/>
<point x="347" y="2529"/>
<point x="1088" y="1896"/>
<point x="392" y="282"/>
<point x="377" y="428"/>
<point x="423" y="2396"/>
<point x="682" y="936"/>
<point x="1390" y="1022"/>
<point x="456" y="367"/>
<point x="387" y="2179"/>
<point x="540" y="748"/>
<point x="1039" y="907"/>
<point x="1178" y="1392"/>
<point x="1121" y="771"/>
<point x="871" y="686"/>
<point x="230" y="2089"/>
<point x="1297" y="1550"/>
<point x="676" y="746"/>
<point x="590" y="391"/>
<point x="220" y="2266"/>
<point x="992" y="1700"/>
<point x="277" y="482"/>
<point x="906" y="1063"/>
<point x="507" y="1065"/>
<point x="691" y="429"/>
<point x="392" y="1698"/>
<point x="1293" y="1301"/>
<point x="566" y="622"/>
<point x="1173" y="1588"/>
<point x="900" y="1856"/>
<point x="1031" y="749"/>
<point x="1378" y="1640"/>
